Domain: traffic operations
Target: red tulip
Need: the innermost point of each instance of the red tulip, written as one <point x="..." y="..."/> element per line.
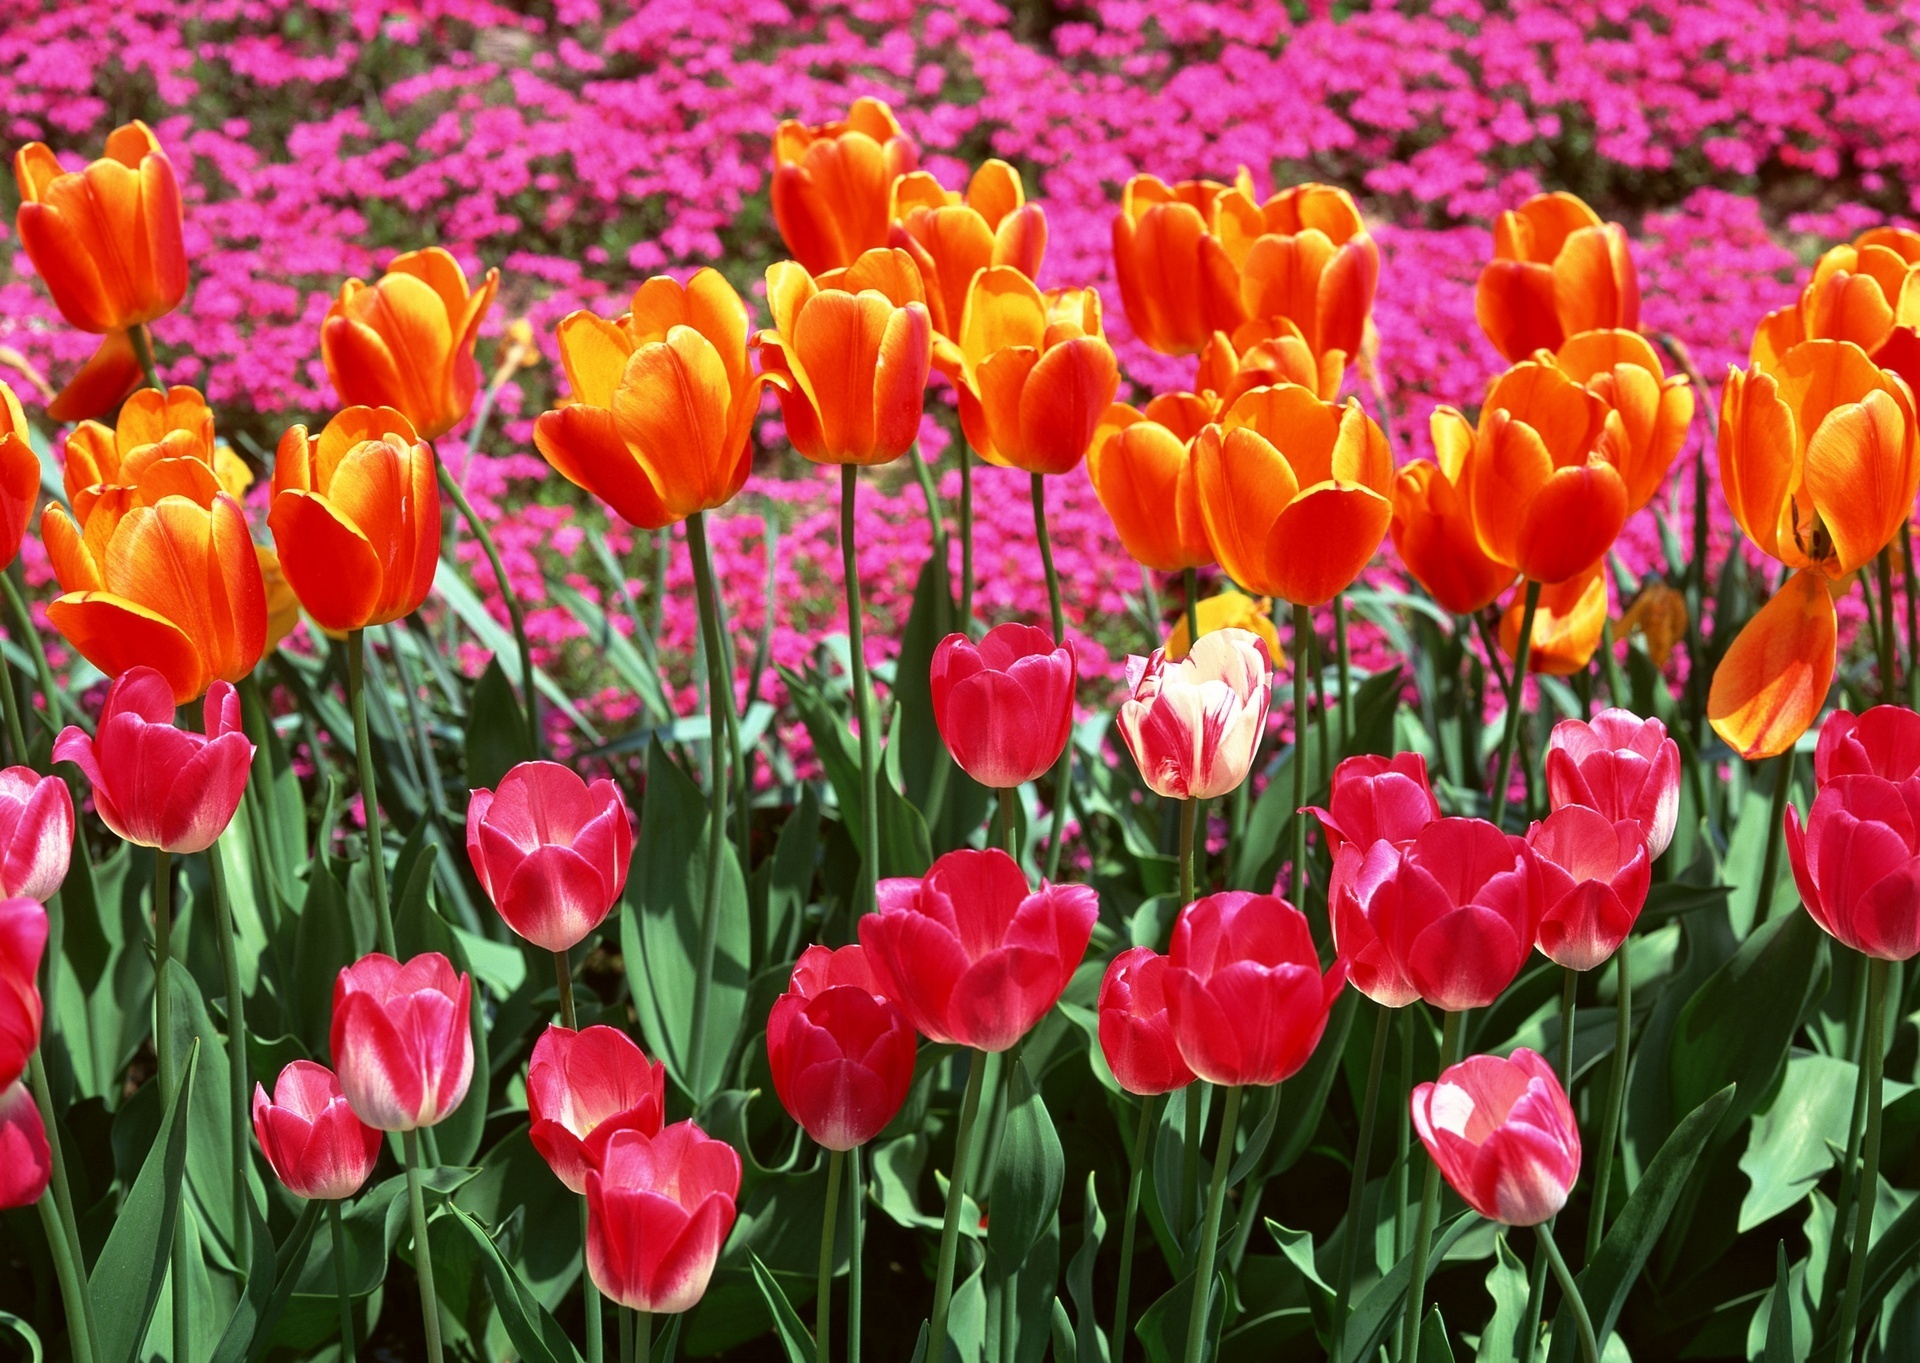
<point x="1004" y="705"/>
<point x="1621" y="766"/>
<point x="584" y="1086"/>
<point x="970" y="954"/>
<point x="551" y="851"/>
<point x="400" y="1040"/>
<point x="1136" y="1035"/>
<point x="36" y="833"/>
<point x="317" y="1147"/>
<point x="26" y="1160"/>
<point x="1594" y="875"/>
<point x="1503" y="1133"/>
<point x="1193" y="725"/>
<point x="658" y="1210"/>
<point x="1245" y="993"/>
<point x="156" y="785"/>
<point x="1884" y="741"/>
<point x="23" y="937"/>
<point x="841" y="1051"/>
<point x="1858" y="864"/>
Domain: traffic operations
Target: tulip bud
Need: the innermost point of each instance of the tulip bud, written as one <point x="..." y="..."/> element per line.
<point x="1883" y="741"/>
<point x="1622" y="767"/>
<point x="308" y="1133"/>
<point x="400" y="1039"/>
<point x="1594" y="876"/>
<point x="1503" y="1133"/>
<point x="26" y="1160"/>
<point x="658" y="1211"/>
<point x="36" y="833"/>
<point x="841" y="1052"/>
<point x="23" y="938"/>
<point x="1193" y="726"/>
<point x="1136" y="1035"/>
<point x="1004" y="705"/>
<point x="551" y="851"/>
<point x="584" y="1086"/>
<point x="1857" y="864"/>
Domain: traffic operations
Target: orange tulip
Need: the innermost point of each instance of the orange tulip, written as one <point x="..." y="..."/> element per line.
<point x="406" y="340"/>
<point x="1655" y="411"/>
<point x="951" y="239"/>
<point x="1314" y="264"/>
<point x="19" y="476"/>
<point x="833" y="184"/>
<point x="660" y="425"/>
<point x="1278" y="354"/>
<point x="283" y="607"/>
<point x="1293" y="492"/>
<point x="111" y="373"/>
<point x="1143" y="474"/>
<point x="1557" y="270"/>
<point x="1543" y="484"/>
<point x="106" y="239"/>
<point x="1432" y="527"/>
<point x="849" y="354"/>
<point x="1566" y="624"/>
<point x="160" y="443"/>
<point x="1770" y="685"/>
<point x="1864" y="292"/>
<point x="356" y="518"/>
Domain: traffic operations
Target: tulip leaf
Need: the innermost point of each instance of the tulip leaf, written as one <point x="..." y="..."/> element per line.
<point x="323" y="946"/>
<point x="1255" y="1141"/>
<point x="496" y="728"/>
<point x="1375" y="1314"/>
<point x="418" y="927"/>
<point x="25" y="1333"/>
<point x="494" y="637"/>
<point x="921" y="755"/>
<point x="210" y="1139"/>
<point x="622" y="654"/>
<point x="790" y="874"/>
<point x="1066" y="1348"/>
<point x="905" y="847"/>
<point x="1789" y="1146"/>
<point x="1434" y="1347"/>
<point x="1779" y="1346"/>
<point x="1301" y="1101"/>
<point x="1162" y="1327"/>
<point x="536" y="1335"/>
<point x="1030" y="1174"/>
<point x="1088" y="1341"/>
<point x="794" y="1337"/>
<point x="1501" y="1340"/>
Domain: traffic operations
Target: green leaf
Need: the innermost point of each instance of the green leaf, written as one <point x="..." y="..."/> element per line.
<point x="494" y="637"/>
<point x="496" y="729"/>
<point x="418" y="927"/>
<point x="210" y="1133"/>
<point x="1088" y="1341"/>
<point x="1030" y="1174"/>
<point x="1162" y="1328"/>
<point x="1302" y="1100"/>
<point x="796" y="857"/>
<point x="1375" y="1314"/>
<point x="1789" y="1145"/>
<point x="534" y="1332"/>
<point x="1434" y="1347"/>
<point x="24" y="1331"/>
<point x="787" y="1325"/>
<point x="620" y="652"/>
<point x="905" y="847"/>
<point x="1255" y="1141"/>
<point x="1501" y="1341"/>
<point x="323" y="946"/>
<point x="1780" y="1313"/>
<point x="1065" y="1348"/>
<point x="920" y="752"/>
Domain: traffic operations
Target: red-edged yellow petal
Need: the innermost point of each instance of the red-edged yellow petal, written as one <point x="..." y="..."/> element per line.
<point x="329" y="563"/>
<point x="995" y="191"/>
<point x="1773" y="680"/>
<point x="115" y="634"/>
<point x="1245" y="483"/>
<point x="1848" y="307"/>
<point x="1567" y="626"/>
<point x="1540" y="226"/>
<point x="1779" y="331"/>
<point x="1344" y="300"/>
<point x="900" y="382"/>
<point x="992" y="420"/>
<point x="584" y="447"/>
<point x="1322" y="539"/>
<point x="1063" y="402"/>
<point x="1020" y="240"/>
<point x="1003" y="310"/>
<point x="239" y="597"/>
<point x="1281" y="278"/>
<point x="1505" y="473"/>
<point x="1157" y="258"/>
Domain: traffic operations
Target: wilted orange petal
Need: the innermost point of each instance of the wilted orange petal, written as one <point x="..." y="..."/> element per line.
<point x="1773" y="680"/>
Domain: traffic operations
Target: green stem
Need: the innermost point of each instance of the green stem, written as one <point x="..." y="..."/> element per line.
<point x="369" y="790"/>
<point x="1889" y="645"/>
<point x="742" y="805"/>
<point x="1616" y="1099"/>
<point x="1117" y="1338"/>
<point x="263" y="826"/>
<point x="23" y="620"/>
<point x="1357" y="1186"/>
<point x="239" y="1089"/>
<point x="340" y="1279"/>
<point x="10" y="699"/>
<point x="1189" y="817"/>
<point x="1570" y="1290"/>
<point x="1850" y="1166"/>
<point x="1302" y="631"/>
<point x="1776" y="823"/>
<point x="1346" y="667"/>
<point x="1618" y="692"/>
<point x="716" y="789"/>
<point x="563" y="977"/>
<point x="596" y="1344"/>
<point x="1402" y="1151"/>
<point x="1209" y="1232"/>
<point x="956" y="1198"/>
<point x="642" y="1336"/>
<point x="1063" y="770"/>
<point x="857" y="1192"/>
<point x="1191" y="1130"/>
<point x="1536" y="1300"/>
<point x="1516" y="700"/>
<point x="823" y="1312"/>
<point x="966" y="539"/>
<point x="515" y="615"/>
<point x="69" y="1278"/>
<point x="1009" y="825"/>
<point x="142" y="341"/>
<point x="1569" y="990"/>
<point x="81" y="1297"/>
<point x="422" y="1248"/>
<point x="1912" y="583"/>
<point x="1190" y="584"/>
<point x="182" y="1291"/>
<point x="1452" y="1035"/>
<point x="942" y="612"/>
<point x="625" y="1341"/>
<point x="863" y="706"/>
<point x="1873" y="1059"/>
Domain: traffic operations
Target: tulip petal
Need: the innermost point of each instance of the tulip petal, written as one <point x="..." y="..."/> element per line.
<point x="1322" y="539"/>
<point x="329" y="563"/>
<point x="1773" y="680"/>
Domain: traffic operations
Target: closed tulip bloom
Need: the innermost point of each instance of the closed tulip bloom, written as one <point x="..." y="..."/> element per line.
<point x="1136" y="1036"/>
<point x="833" y="183"/>
<point x="1557" y="270"/>
<point x="1313" y="264"/>
<point x="1503" y="1133"/>
<point x="36" y="833"/>
<point x="1004" y="705"/>
<point x="317" y="1147"/>
<point x="19" y="476"/>
<point x="1432" y="525"/>
<point x="1192" y="726"/>
<point x="1245" y="994"/>
<point x="400" y="1039"/>
<point x="1857" y="863"/>
<point x="970" y="953"/>
<point x="406" y="340"/>
<point x="160" y="444"/>
<point x="1373" y="799"/>
<point x="105" y="239"/>
<point x="1858" y="292"/>
<point x="156" y="785"/>
<point x="23" y="937"/>
<point x="1594" y="876"/>
<point x="1567" y="623"/>
<point x="1143" y="473"/>
<point x="551" y="851"/>
<point x="1620" y="766"/>
<point x="1178" y="283"/>
<point x="1228" y="610"/>
<point x="840" y="1050"/>
<point x="356" y="518"/>
<point x="952" y="238"/>
<point x="584" y="1086"/>
<point x="660" y="423"/>
<point x="850" y="363"/>
<point x="1624" y="371"/>
<point x="658" y="1211"/>
<point x="1883" y="741"/>
<point x="26" y="1160"/>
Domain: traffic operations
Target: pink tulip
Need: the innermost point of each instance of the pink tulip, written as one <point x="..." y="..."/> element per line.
<point x="1884" y="741"/>
<point x="1193" y="725"/>
<point x="1136" y="1035"/>
<point x="36" y="833"/>
<point x="23" y="937"/>
<point x="156" y="785"/>
<point x="1594" y="875"/>
<point x="551" y="851"/>
<point x="658" y="1211"/>
<point x="841" y="1052"/>
<point x="1503" y="1133"/>
<point x="1377" y="798"/>
<point x="26" y="1160"/>
<point x="400" y="1040"/>
<point x="1004" y="705"/>
<point x="308" y="1133"/>
<point x="1858" y="863"/>
<point x="584" y="1086"/>
<point x="1621" y="766"/>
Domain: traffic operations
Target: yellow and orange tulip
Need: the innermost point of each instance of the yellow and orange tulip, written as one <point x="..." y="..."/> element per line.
<point x="953" y="238"/>
<point x="661" y="419"/>
<point x="1432" y="525"/>
<point x="1567" y="624"/>
<point x="1867" y="292"/>
<point x="160" y="443"/>
<point x="1229" y="610"/>
<point x="19" y="476"/>
<point x="1623" y="370"/>
<point x="406" y="340"/>
<point x="1557" y="270"/>
<point x="1143" y="474"/>
<point x="833" y="184"/>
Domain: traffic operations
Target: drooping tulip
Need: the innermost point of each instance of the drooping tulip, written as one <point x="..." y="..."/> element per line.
<point x="1004" y="705"/>
<point x="663" y="400"/>
<point x="1503" y="1133"/>
<point x="1228" y="610"/>
<point x="1620" y="766"/>
<point x="156" y="785"/>
<point x="36" y="833"/>
<point x="19" y="476"/>
<point x="551" y="851"/>
<point x="833" y="183"/>
<point x="26" y="1160"/>
<point x="584" y="1086"/>
<point x="952" y="238"/>
<point x="1567" y="623"/>
<point x="1882" y="741"/>
<point x="1557" y="270"/>
<point x="658" y="1210"/>
<point x="840" y="1050"/>
<point x="311" y="1138"/>
<point x="400" y="1039"/>
<point x="1859" y="292"/>
<point x="1192" y="726"/>
<point x="356" y="518"/>
<point x="1143" y="474"/>
<point x="1594" y="875"/>
<point x="1857" y="863"/>
<point x="23" y="938"/>
<point x="970" y="953"/>
<point x="1625" y="372"/>
<point x="1432" y="525"/>
<point x="406" y="340"/>
<point x="1136" y="1035"/>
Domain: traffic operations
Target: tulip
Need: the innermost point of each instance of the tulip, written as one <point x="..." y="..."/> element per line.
<point x="1594" y="875"/>
<point x="850" y="363"/>
<point x="1557" y="270"/>
<point x="1229" y="610"/>
<point x="160" y="444"/>
<point x="23" y="937"/>
<point x="971" y="955"/>
<point x="1274" y="352"/>
<point x="663" y="400"/>
<point x="840" y="1050"/>
<point x="1857" y="863"/>
<point x="952" y="238"/>
<point x="1432" y="524"/>
<point x="317" y="1147"/>
<point x="1658" y="614"/>
<point x="1143" y="474"/>
<point x="400" y="1039"/>
<point x="551" y="851"/>
<point x="1315" y="265"/>
<point x="1503" y="1133"/>
<point x="1293" y="492"/>
<point x="1004" y="705"/>
<point x="1624" y="371"/>
<point x="1246" y="998"/>
<point x="1136" y="1036"/>
<point x="1857" y="293"/>
<point x="110" y="374"/>
<point x="833" y="183"/>
<point x="1883" y="741"/>
<point x="658" y="1211"/>
<point x="1373" y="799"/>
<point x="406" y="340"/>
<point x="105" y="239"/>
<point x="1034" y="373"/>
<point x="283" y="607"/>
<point x="1192" y="726"/>
<point x="156" y="785"/>
<point x="19" y="476"/>
<point x="356" y="518"/>
<point x="26" y="1160"/>
<point x="36" y="834"/>
<point x="584" y="1086"/>
<point x="1177" y="281"/>
<point x="1567" y="623"/>
<point x="1621" y="767"/>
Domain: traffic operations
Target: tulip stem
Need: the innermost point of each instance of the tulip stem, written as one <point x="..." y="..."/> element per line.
<point x="1516" y="702"/>
<point x="1569" y="1003"/>
<point x="1198" y="1310"/>
<point x="1190" y="583"/>
<point x="1117" y="1340"/>
<point x="823" y="1308"/>
<point x="515" y="615"/>
<point x="30" y="638"/>
<point x="238" y="1089"/>
<point x="1346" y="667"/>
<point x="182" y="1295"/>
<point x="1849" y="1167"/>
<point x="625" y="1341"/>
<point x="1616" y="1098"/>
<point x="422" y="1248"/>
<point x="1189" y="817"/>
<point x="16" y="733"/>
<point x="563" y="977"/>
<point x="642" y="1336"/>
<point x="1889" y="644"/>
<point x="70" y="1278"/>
<point x="1357" y="1187"/>
<point x="1913" y="615"/>
<point x="340" y="1279"/>
<point x="369" y="790"/>
<point x="956" y="1198"/>
<point x="1302" y="631"/>
<point x="80" y="1298"/>
<point x="855" y="1279"/>
<point x="1063" y="770"/>
<point x="936" y="797"/>
<point x="1452" y="1036"/>
<point x="1872" y="1060"/>
<point x="717" y="784"/>
<point x="1589" y="1348"/>
<point x="1776" y="834"/>
<point x="862" y="694"/>
<point x="1009" y="829"/>
<point x="142" y="342"/>
<point x="966" y="539"/>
